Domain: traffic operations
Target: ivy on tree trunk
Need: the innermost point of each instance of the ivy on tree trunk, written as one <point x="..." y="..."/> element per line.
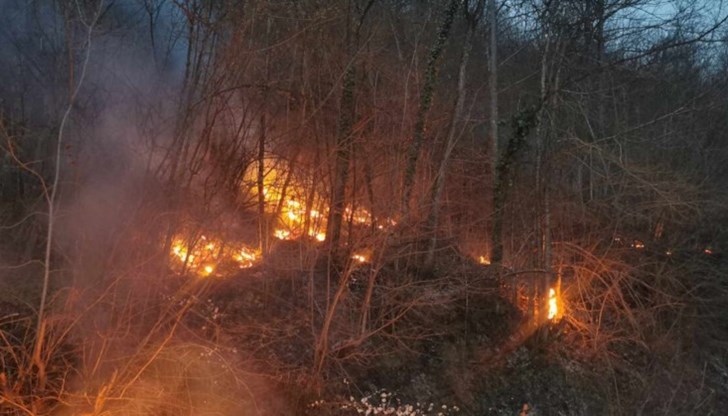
<point x="426" y="94"/>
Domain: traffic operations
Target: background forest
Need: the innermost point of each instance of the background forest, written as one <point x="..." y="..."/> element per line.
<point x="334" y="207"/>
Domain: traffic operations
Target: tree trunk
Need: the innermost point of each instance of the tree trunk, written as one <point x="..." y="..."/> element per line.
<point x="425" y="102"/>
<point x="452" y="138"/>
<point x="496" y="239"/>
<point x="344" y="140"/>
<point x="522" y="123"/>
<point x="262" y="223"/>
<point x="343" y="156"/>
<point x="493" y="86"/>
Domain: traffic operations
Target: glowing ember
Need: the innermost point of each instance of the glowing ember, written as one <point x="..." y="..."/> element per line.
<point x="553" y="304"/>
<point x="708" y="251"/>
<point x="360" y="258"/>
<point x="639" y="245"/>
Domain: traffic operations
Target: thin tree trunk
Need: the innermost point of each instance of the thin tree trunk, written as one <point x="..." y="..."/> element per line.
<point x="496" y="238"/>
<point x="262" y="219"/>
<point x="493" y="85"/>
<point x="262" y="223"/>
<point x="344" y="140"/>
<point x="343" y="156"/>
<point x="452" y="137"/>
<point x="51" y="196"/>
<point x="522" y="123"/>
<point x="426" y="94"/>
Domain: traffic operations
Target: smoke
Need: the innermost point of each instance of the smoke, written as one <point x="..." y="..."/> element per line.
<point x="108" y="266"/>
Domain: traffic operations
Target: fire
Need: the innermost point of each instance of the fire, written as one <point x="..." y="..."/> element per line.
<point x="282" y="234"/>
<point x="639" y="245"/>
<point x="483" y="260"/>
<point x="246" y="258"/>
<point x="358" y="215"/>
<point x="206" y="256"/>
<point x="360" y="258"/>
<point x="317" y="236"/>
<point x="300" y="207"/>
<point x="553" y="304"/>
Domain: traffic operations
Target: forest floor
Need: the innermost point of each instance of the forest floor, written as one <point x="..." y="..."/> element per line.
<point x="452" y="343"/>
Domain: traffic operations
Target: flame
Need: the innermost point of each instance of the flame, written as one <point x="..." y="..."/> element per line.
<point x="245" y="258"/>
<point x="298" y="203"/>
<point x="360" y="258"/>
<point x="282" y="234"/>
<point x="317" y="236"/>
<point x="553" y="304"/>
<point x="300" y="210"/>
<point x="483" y="260"/>
<point x="208" y="256"/>
<point x="639" y="245"/>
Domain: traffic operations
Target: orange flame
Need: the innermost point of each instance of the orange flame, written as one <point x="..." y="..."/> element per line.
<point x="483" y="260"/>
<point x="300" y="209"/>
<point x="208" y="256"/>
<point x="360" y="258"/>
<point x="553" y="305"/>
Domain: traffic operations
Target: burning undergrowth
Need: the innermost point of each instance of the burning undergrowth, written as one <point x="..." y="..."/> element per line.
<point x="221" y="325"/>
<point x="210" y="257"/>
<point x="253" y="341"/>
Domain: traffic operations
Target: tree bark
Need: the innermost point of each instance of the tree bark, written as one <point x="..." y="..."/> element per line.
<point x="343" y="156"/>
<point x="522" y="123"/>
<point x="425" y="102"/>
<point x="344" y="138"/>
<point x="452" y="138"/>
<point x="496" y="242"/>
<point x="493" y="85"/>
<point x="262" y="222"/>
